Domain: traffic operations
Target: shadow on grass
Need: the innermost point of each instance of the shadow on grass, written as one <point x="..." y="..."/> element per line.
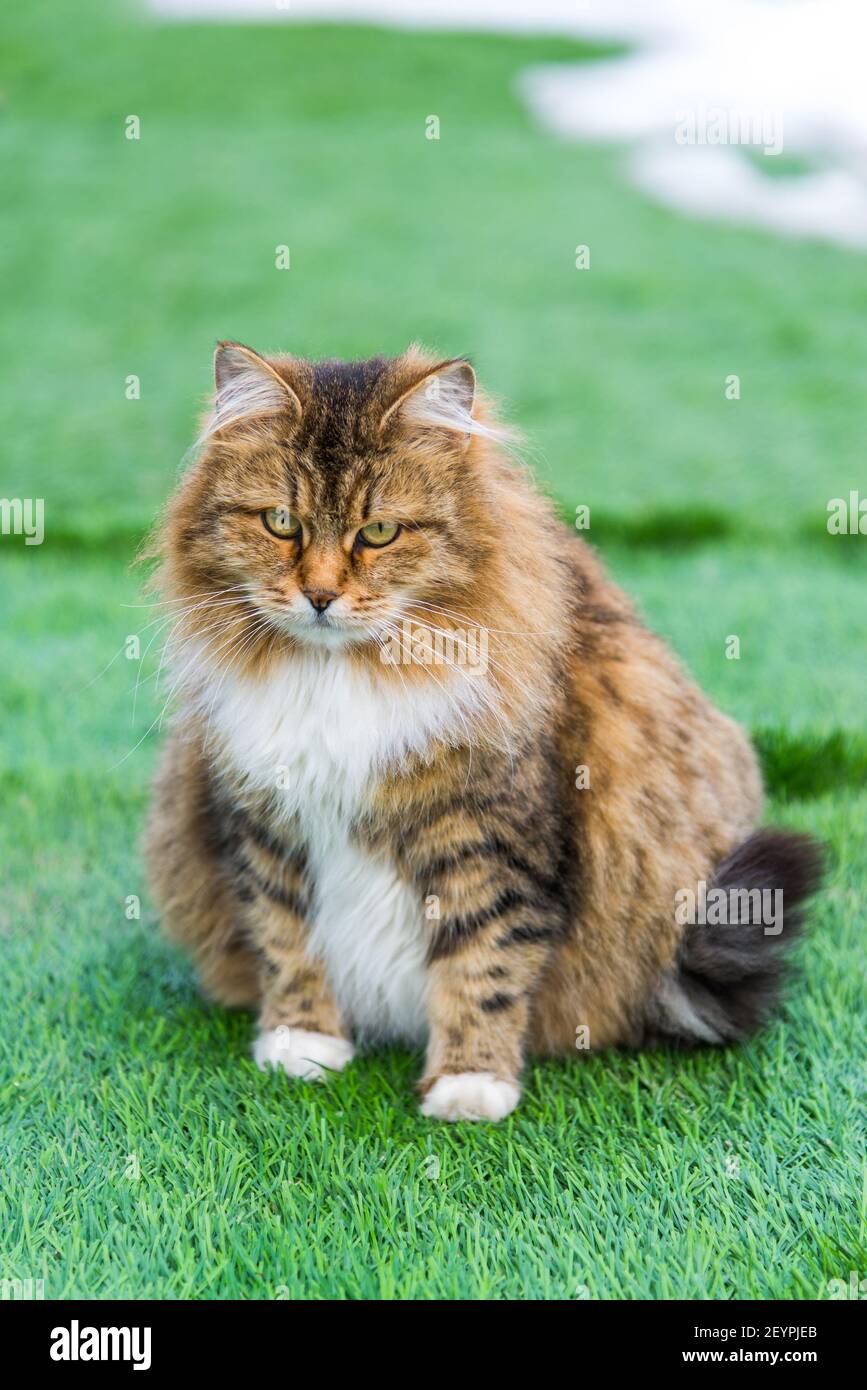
<point x="801" y="767"/>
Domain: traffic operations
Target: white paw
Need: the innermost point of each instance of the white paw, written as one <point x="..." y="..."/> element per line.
<point x="301" y="1053"/>
<point x="470" y="1095"/>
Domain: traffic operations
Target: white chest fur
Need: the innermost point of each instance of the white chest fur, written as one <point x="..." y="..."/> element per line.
<point x="319" y="733"/>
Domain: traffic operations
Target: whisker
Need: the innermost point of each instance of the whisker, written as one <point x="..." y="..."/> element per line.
<point x="474" y="622"/>
<point x="511" y="675"/>
<point x="481" y="693"/>
<point x="452" y="700"/>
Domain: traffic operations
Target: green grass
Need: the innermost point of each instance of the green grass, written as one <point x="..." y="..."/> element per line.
<point x="141" y="1152"/>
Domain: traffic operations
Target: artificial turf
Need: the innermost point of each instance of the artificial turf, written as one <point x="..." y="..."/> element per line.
<point x="142" y="1153"/>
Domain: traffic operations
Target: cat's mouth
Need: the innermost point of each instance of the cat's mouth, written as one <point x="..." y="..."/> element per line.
<point x="337" y="625"/>
<point x="323" y="629"/>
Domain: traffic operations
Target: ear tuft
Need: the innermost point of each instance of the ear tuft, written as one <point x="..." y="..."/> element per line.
<point x="246" y="387"/>
<point x="442" y="400"/>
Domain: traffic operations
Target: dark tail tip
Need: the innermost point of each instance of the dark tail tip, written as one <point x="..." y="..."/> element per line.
<point x="731" y="971"/>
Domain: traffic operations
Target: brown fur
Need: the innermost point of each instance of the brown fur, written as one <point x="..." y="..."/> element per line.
<point x="556" y="903"/>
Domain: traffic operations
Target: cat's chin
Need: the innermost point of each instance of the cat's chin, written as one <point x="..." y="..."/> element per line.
<point x="329" y="638"/>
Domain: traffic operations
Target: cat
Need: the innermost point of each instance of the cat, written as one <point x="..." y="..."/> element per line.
<point x="371" y="825"/>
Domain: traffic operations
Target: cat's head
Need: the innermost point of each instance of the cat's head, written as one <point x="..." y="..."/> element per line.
<point x="334" y="492"/>
<point x="330" y="503"/>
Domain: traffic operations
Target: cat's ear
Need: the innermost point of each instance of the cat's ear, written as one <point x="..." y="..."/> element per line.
<point x="247" y="386"/>
<point x="441" y="399"/>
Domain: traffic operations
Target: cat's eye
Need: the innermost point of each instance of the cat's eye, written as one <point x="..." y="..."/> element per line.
<point x="281" y="522"/>
<point x="378" y="533"/>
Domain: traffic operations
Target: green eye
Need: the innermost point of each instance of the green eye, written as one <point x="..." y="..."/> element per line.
<point x="379" y="533"/>
<point x="282" y="523"/>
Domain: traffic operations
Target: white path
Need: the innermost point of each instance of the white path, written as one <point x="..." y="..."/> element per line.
<point x="702" y="78"/>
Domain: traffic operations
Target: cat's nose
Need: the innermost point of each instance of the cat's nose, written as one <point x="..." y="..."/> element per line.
<point x="320" y="598"/>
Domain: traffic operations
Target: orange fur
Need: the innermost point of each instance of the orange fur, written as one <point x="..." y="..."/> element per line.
<point x="554" y="902"/>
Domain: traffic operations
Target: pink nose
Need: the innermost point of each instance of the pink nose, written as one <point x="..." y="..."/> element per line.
<point x="320" y="598"/>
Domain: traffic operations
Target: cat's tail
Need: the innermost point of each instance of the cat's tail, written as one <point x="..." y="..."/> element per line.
<point x="732" y="957"/>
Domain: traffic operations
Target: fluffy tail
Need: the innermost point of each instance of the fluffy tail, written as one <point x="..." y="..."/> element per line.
<point x="732" y="962"/>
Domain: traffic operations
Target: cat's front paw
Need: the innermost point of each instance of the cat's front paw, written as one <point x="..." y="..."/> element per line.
<point x="301" y="1053"/>
<point x="471" y="1095"/>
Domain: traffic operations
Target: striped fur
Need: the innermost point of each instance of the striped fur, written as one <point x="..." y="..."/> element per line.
<point x="366" y="851"/>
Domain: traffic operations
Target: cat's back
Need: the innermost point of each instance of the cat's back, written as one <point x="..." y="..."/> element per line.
<point x="639" y="718"/>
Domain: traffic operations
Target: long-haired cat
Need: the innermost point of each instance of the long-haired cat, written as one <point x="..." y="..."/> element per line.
<point x="430" y="779"/>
